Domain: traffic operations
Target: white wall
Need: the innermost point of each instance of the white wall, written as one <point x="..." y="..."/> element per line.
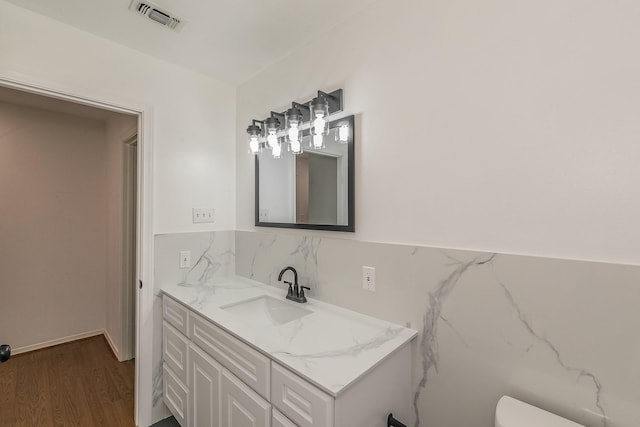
<point x="119" y="128"/>
<point x="53" y="216"/>
<point x="498" y="125"/>
<point x="188" y="122"/>
<point x="193" y="115"/>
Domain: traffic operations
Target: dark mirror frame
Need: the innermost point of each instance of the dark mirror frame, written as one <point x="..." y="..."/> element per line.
<point x="350" y="227"/>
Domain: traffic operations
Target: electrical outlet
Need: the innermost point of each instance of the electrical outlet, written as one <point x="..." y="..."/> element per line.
<point x="263" y="215"/>
<point x="369" y="278"/>
<point x="185" y="259"/>
<point x="203" y="215"/>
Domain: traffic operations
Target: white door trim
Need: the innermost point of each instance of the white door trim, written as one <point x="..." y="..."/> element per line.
<point x="144" y="318"/>
<point x="129" y="276"/>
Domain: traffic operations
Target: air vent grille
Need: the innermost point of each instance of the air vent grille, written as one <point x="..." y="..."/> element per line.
<point x="153" y="12"/>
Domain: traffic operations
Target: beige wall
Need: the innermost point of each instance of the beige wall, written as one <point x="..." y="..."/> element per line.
<point x="119" y="128"/>
<point x="53" y="215"/>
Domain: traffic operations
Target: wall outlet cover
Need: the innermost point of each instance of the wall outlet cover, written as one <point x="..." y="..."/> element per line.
<point x="185" y="259"/>
<point x="369" y="278"/>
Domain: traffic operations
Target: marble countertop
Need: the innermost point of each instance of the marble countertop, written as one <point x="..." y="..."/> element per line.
<point x="331" y="347"/>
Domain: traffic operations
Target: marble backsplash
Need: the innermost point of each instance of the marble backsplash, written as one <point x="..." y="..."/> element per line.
<point x="556" y="333"/>
<point x="212" y="255"/>
<point x="559" y="334"/>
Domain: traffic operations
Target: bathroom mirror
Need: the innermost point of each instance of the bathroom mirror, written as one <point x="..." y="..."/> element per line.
<point x="311" y="190"/>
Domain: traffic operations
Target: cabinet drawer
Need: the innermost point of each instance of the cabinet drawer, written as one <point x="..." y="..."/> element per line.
<point x="301" y="402"/>
<point x="176" y="396"/>
<point x="279" y="420"/>
<point x="243" y="361"/>
<point x="175" y="348"/>
<point x="176" y="314"/>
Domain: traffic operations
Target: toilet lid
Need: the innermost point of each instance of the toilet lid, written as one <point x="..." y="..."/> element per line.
<point x="514" y="413"/>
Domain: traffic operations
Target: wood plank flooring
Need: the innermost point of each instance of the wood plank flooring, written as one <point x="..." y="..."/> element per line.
<point x="74" y="384"/>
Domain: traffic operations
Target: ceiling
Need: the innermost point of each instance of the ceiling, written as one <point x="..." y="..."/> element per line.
<point x="230" y="40"/>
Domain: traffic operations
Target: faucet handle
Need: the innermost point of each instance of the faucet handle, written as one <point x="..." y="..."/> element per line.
<point x="290" y="291"/>
<point x="302" y="296"/>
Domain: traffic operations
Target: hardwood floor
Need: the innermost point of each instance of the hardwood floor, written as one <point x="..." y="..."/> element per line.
<point x="74" y="384"/>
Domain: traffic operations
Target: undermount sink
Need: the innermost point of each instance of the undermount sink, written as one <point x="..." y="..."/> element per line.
<point x="266" y="311"/>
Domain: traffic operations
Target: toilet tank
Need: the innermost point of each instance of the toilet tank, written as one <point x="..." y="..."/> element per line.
<point x="514" y="413"/>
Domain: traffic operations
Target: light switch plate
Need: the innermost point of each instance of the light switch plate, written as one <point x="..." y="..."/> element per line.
<point x="203" y="215"/>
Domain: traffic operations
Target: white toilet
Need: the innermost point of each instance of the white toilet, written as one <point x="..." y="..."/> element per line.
<point x="514" y="413"/>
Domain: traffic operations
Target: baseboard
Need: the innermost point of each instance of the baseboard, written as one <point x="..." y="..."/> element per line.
<point x="51" y="343"/>
<point x="114" y="349"/>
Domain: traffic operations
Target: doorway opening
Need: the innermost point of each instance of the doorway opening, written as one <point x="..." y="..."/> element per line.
<point x="125" y="338"/>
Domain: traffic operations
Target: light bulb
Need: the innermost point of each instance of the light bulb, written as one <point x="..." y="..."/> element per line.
<point x="318" y="124"/>
<point x="317" y="140"/>
<point x="293" y="132"/>
<point x="254" y="145"/>
<point x="276" y="151"/>
<point x="272" y="139"/>
<point x="295" y="146"/>
<point x="343" y="133"/>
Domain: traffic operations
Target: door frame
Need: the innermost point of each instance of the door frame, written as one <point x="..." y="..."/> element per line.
<point x="144" y="260"/>
<point x="128" y="298"/>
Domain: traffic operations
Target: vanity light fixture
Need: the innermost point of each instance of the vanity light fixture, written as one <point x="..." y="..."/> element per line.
<point x="319" y="126"/>
<point x="315" y="113"/>
<point x="292" y="122"/>
<point x="272" y="125"/>
<point x="255" y="133"/>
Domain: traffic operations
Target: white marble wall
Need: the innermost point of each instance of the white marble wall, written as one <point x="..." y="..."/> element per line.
<point x="559" y="334"/>
<point x="212" y="255"/>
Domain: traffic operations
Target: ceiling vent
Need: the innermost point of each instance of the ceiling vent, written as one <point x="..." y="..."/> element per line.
<point x="153" y="12"/>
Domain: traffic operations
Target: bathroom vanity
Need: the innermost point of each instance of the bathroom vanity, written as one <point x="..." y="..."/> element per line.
<point x="236" y="354"/>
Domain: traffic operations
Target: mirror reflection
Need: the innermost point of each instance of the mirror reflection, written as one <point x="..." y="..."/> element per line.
<point x="313" y="189"/>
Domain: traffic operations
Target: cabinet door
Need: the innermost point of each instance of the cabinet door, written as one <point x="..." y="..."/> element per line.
<point x="279" y="420"/>
<point x="204" y="377"/>
<point x="241" y="406"/>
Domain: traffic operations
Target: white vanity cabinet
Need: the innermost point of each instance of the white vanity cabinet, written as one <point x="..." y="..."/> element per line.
<point x="213" y="379"/>
<point x="207" y="373"/>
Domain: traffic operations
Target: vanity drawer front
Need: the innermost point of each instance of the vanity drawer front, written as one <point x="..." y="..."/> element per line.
<point x="175" y="348"/>
<point x="279" y="420"/>
<point x="244" y="362"/>
<point x="176" y="314"/>
<point x="303" y="403"/>
<point x="176" y="396"/>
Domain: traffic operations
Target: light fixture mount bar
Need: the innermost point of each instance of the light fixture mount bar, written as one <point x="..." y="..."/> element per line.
<point x="333" y="98"/>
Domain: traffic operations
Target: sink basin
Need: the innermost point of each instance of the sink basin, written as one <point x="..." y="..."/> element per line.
<point x="266" y="311"/>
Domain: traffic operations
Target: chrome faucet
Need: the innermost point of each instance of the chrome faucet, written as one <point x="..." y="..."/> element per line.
<point x="295" y="292"/>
